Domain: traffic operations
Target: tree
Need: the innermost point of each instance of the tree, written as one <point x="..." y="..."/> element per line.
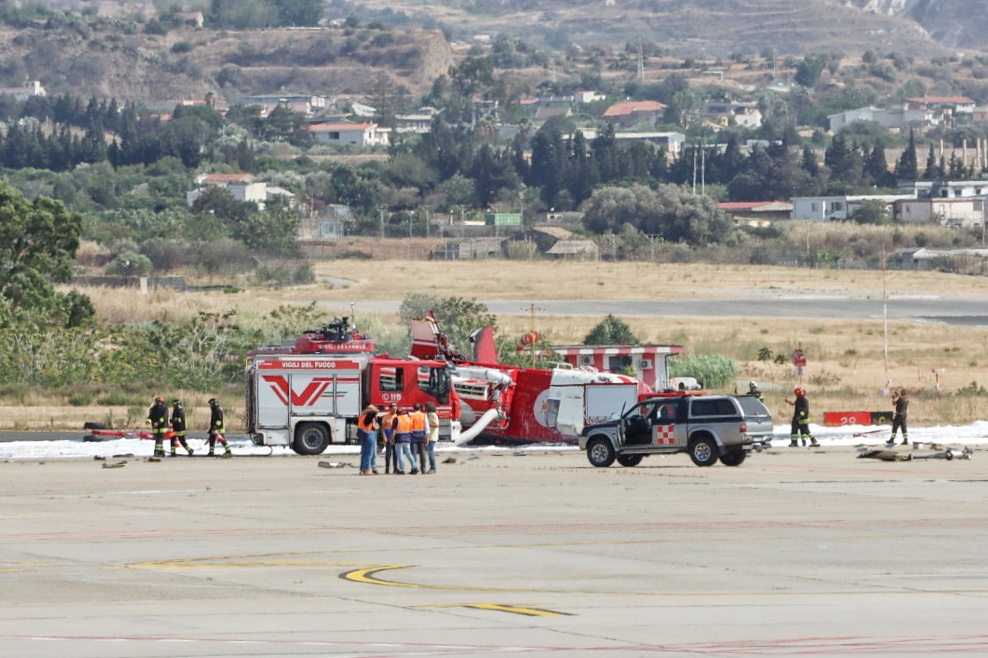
<point x="907" y="167"/>
<point x="300" y="13"/>
<point x="38" y="241"/>
<point x="871" y="212"/>
<point x="457" y="317"/>
<point x="668" y="211"/>
<point x="611" y="331"/>
<point x="809" y="70"/>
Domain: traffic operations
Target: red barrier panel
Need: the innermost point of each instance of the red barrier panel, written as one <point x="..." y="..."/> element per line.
<point x="841" y="418"/>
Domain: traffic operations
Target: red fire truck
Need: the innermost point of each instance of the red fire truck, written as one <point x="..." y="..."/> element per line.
<point x="312" y="399"/>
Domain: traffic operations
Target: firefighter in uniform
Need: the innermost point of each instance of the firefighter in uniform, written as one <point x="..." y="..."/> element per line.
<point x="158" y="420"/>
<point x="901" y="402"/>
<point x="179" y="427"/>
<point x="801" y="420"/>
<point x="216" y="428"/>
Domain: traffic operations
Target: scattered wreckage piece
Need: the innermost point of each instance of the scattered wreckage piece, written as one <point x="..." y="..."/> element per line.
<point x="886" y="455"/>
<point x="948" y="454"/>
<point x="894" y="456"/>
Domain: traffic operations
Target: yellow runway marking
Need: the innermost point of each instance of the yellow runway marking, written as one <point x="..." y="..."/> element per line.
<point x="504" y="607"/>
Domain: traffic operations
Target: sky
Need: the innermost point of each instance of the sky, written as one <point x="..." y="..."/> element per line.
<point x="852" y="435"/>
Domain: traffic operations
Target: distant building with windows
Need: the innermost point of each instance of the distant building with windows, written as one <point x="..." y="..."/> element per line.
<point x="27" y="90"/>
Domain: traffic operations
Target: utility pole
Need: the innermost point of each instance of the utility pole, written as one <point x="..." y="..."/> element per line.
<point x="703" y="167"/>
<point x="641" y="62"/>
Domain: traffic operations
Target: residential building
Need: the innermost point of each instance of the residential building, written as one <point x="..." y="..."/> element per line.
<point x="355" y="134"/>
<point x="725" y="114"/>
<point x="419" y="122"/>
<point x="305" y="104"/>
<point x="945" y="189"/>
<point x="944" y="110"/>
<point x="827" y="208"/>
<point x="630" y="112"/>
<point x="762" y="211"/>
<point x="240" y="186"/>
<point x="27" y="90"/>
<point x="966" y="212"/>
<point x="671" y="142"/>
<point x="546" y="112"/>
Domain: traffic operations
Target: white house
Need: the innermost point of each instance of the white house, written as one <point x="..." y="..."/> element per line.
<point x="740" y="114"/>
<point x="953" y="189"/>
<point x="240" y="186"/>
<point x="891" y="119"/>
<point x="671" y="142"/>
<point x="827" y="208"/>
<point x="357" y="134"/>
<point x="306" y="104"/>
<point x="944" y="109"/>
<point x="30" y="88"/>
<point x="966" y="212"/>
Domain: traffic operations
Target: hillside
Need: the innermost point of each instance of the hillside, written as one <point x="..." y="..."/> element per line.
<point x="714" y="28"/>
<point x="959" y="24"/>
<point x="706" y="27"/>
<point x="187" y="63"/>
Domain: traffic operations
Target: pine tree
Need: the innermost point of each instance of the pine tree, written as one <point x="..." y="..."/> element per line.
<point x="907" y="167"/>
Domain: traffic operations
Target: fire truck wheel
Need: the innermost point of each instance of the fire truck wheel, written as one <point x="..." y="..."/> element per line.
<point x="600" y="452"/>
<point x="630" y="460"/>
<point x="311" y="439"/>
<point x="703" y="451"/>
<point x="733" y="458"/>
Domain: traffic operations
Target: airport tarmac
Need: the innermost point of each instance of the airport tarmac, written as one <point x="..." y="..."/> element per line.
<point x="796" y="552"/>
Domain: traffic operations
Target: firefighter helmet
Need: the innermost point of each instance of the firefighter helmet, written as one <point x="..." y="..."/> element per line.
<point x="177" y="402"/>
<point x="800" y="391"/>
<point x="752" y="385"/>
<point x="213" y="402"/>
<point x="159" y="399"/>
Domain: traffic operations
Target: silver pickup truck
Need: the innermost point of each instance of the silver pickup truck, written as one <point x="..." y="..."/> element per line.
<point x="708" y="427"/>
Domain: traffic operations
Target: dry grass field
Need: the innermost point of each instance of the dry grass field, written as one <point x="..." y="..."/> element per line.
<point x="847" y="364"/>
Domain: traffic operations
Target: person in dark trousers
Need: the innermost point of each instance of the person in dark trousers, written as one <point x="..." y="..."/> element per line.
<point x="179" y="427"/>
<point x="367" y="428"/>
<point x="402" y="428"/>
<point x="901" y="401"/>
<point x="158" y="420"/>
<point x="387" y="428"/>
<point x="800" y="420"/>
<point x="419" y="432"/>
<point x="216" y="428"/>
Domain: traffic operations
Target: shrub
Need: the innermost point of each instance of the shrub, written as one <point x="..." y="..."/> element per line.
<point x="711" y="370"/>
<point x="130" y="264"/>
<point x="113" y="399"/>
<point x="81" y="399"/>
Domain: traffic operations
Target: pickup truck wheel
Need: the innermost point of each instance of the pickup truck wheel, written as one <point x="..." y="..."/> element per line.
<point x="703" y="452"/>
<point x="600" y="452"/>
<point x="629" y="460"/>
<point x="733" y="458"/>
<point x="311" y="439"/>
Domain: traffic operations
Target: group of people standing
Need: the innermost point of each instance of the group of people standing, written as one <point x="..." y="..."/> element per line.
<point x="409" y="434"/>
<point x="173" y="427"/>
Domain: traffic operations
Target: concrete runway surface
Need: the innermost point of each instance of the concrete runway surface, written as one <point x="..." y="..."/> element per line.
<point x="796" y="552"/>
